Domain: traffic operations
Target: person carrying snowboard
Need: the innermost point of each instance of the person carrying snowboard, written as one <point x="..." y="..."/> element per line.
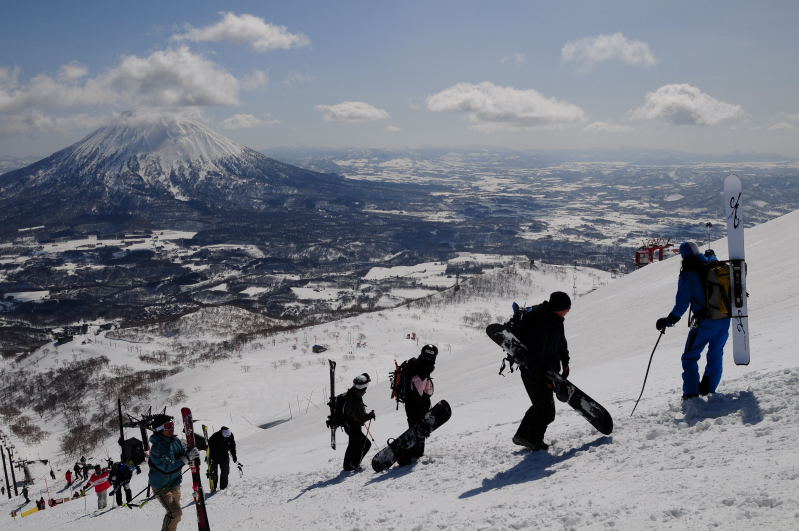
<point x="168" y="455"/>
<point x="712" y="333"/>
<point x="222" y="443"/>
<point x="541" y="331"/>
<point x="355" y="416"/>
<point x="417" y="397"/>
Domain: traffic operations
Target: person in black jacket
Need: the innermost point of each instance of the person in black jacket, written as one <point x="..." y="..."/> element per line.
<point x="541" y="331"/>
<point x="221" y="444"/>
<point x="121" y="474"/>
<point x="355" y="416"/>
<point x="417" y="397"/>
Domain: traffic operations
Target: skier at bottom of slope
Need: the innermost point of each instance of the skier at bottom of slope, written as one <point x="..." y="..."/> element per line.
<point x="541" y="331"/>
<point x="704" y="331"/>
<point x="168" y="456"/>
<point x="355" y="416"/>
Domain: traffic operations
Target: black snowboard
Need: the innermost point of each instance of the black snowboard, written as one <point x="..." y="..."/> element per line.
<point x="438" y="415"/>
<point x="565" y="391"/>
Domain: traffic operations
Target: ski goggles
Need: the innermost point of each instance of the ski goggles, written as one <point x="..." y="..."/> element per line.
<point x="167" y="426"/>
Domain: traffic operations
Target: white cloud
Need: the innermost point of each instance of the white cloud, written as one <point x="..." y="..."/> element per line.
<point x="783" y="126"/>
<point x="72" y="72"/>
<point x="249" y="30"/>
<point x="393" y="129"/>
<point x="352" y="111"/>
<point x="593" y="50"/>
<point x="607" y="127"/>
<point x="173" y="77"/>
<point x="515" y="58"/>
<point x="38" y="121"/>
<point x="683" y="104"/>
<point x="294" y="79"/>
<point x="164" y="78"/>
<point x="257" y="79"/>
<point x="247" y="121"/>
<point x="491" y="106"/>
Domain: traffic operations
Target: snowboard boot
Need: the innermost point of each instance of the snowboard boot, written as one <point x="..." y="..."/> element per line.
<point x="534" y="445"/>
<point x="690" y="396"/>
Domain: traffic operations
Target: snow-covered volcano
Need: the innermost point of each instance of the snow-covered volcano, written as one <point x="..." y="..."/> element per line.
<point x="147" y="165"/>
<point x="158" y="145"/>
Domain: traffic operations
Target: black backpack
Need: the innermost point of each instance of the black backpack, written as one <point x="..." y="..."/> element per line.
<point x="336" y="418"/>
<point x="133" y="452"/>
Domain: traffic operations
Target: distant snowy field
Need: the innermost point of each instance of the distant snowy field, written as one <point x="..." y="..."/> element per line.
<point x="727" y="462"/>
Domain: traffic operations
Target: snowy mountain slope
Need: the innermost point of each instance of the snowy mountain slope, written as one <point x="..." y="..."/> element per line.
<point x="160" y="167"/>
<point x="727" y="462"/>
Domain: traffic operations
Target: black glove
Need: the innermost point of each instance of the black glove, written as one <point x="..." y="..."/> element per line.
<point x="663" y="322"/>
<point x="372" y="415"/>
<point x="565" y="372"/>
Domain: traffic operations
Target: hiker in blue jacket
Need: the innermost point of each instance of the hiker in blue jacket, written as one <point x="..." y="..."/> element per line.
<point x="704" y="331"/>
<point x="168" y="456"/>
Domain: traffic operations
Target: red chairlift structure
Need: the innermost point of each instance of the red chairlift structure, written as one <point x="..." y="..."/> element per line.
<point x="654" y="250"/>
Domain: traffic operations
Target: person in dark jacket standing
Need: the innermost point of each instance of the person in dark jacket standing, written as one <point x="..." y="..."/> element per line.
<point x="417" y="397"/>
<point x="708" y="332"/>
<point x="221" y="444"/>
<point x="168" y="456"/>
<point x="355" y="416"/>
<point x="121" y="474"/>
<point x="541" y="330"/>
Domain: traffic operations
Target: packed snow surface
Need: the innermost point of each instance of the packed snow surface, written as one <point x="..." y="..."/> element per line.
<point x="724" y="462"/>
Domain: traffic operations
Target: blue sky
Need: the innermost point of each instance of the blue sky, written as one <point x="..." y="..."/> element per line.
<point x="713" y="77"/>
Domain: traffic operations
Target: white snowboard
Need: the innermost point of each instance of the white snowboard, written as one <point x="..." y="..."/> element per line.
<point x="735" y="247"/>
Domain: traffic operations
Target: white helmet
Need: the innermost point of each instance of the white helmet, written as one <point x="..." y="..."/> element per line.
<point x="361" y="381"/>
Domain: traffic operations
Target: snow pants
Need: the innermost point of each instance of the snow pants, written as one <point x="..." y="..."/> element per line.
<point x="102" y="499"/>
<point x="170" y="499"/>
<point x="542" y="411"/>
<point x="356" y="449"/>
<point x="712" y="334"/>
<point x="118" y="493"/>
<point x="221" y="471"/>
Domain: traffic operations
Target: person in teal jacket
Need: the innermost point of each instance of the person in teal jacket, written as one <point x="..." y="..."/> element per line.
<point x="168" y="456"/>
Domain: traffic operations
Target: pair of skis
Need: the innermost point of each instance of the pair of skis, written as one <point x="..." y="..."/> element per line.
<point x="194" y="466"/>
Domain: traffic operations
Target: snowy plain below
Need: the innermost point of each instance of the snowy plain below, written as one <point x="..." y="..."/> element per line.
<point x="725" y="462"/>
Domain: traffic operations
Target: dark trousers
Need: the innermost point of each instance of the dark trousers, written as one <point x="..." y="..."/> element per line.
<point x="128" y="494"/>
<point x="356" y="448"/>
<point x="542" y="411"/>
<point x="221" y="470"/>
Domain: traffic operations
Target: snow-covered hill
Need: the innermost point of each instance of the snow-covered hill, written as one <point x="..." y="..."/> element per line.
<point x="728" y="462"/>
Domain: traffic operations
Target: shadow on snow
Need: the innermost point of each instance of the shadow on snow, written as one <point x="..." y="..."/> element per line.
<point x="534" y="466"/>
<point x="722" y="405"/>
<point x="325" y="483"/>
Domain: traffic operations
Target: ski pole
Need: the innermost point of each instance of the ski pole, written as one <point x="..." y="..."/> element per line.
<point x="662" y="332"/>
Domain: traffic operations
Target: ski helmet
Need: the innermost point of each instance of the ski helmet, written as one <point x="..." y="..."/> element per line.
<point x="429" y="352"/>
<point x="361" y="381"/>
